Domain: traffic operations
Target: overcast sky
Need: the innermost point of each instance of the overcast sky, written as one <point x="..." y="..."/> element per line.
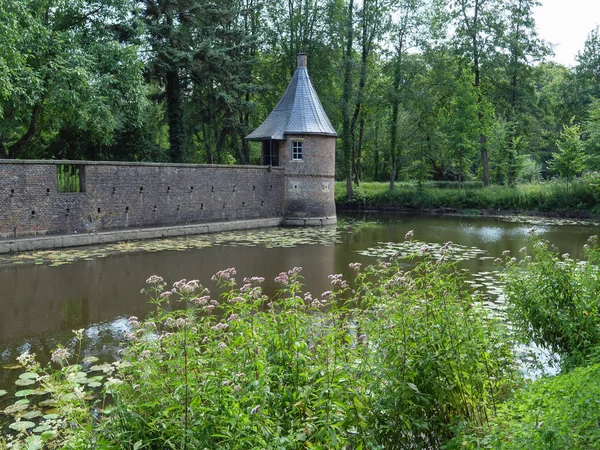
<point x="567" y="24"/>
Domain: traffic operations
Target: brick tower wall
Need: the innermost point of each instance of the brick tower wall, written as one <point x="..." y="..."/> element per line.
<point x="309" y="183"/>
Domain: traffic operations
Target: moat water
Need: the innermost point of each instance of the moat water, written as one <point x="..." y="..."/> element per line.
<point x="46" y="295"/>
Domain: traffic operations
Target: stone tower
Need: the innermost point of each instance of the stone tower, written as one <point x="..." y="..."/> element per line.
<point x="298" y="136"/>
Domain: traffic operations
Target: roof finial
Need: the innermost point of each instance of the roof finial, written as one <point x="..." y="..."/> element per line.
<point x="302" y="59"/>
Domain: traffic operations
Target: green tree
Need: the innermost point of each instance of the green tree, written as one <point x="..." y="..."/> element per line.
<point x="70" y="68"/>
<point x="403" y="38"/>
<point x="463" y="123"/>
<point x="587" y="70"/>
<point x="591" y="131"/>
<point x="479" y="23"/>
<point x="569" y="160"/>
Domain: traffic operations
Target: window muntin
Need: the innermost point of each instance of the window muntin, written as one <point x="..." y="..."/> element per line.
<point x="297" y="151"/>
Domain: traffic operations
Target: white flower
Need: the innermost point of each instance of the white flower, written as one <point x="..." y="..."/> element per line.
<point x="60" y="355"/>
<point x="154" y="279"/>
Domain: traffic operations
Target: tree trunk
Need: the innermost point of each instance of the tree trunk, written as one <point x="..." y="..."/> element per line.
<point x="460" y="170"/>
<point x="393" y="138"/>
<point x="361" y="133"/>
<point x="347" y="93"/>
<point x="396" y="107"/>
<point x="366" y="42"/>
<point x="376" y="152"/>
<point x="174" y="115"/>
<point x="485" y="161"/>
<point x="393" y="172"/>
<point x="14" y="151"/>
<point x="476" y="83"/>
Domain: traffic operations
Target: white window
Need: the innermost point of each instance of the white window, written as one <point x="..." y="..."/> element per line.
<point x="297" y="151"/>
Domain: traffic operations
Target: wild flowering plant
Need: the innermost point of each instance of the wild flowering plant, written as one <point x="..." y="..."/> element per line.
<point x="553" y="299"/>
<point x="391" y="359"/>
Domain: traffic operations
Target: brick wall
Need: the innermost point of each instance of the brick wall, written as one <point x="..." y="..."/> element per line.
<point x="133" y="195"/>
<point x="309" y="182"/>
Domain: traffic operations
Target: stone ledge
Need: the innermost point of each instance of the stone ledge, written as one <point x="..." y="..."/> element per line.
<point x="309" y="221"/>
<point x="55" y="162"/>
<point x="77" y="240"/>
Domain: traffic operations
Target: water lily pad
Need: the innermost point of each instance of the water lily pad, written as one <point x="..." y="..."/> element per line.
<point x="2" y="392"/>
<point x="41" y="428"/>
<point x="26" y="392"/>
<point x="21" y="426"/>
<point x="24" y="382"/>
<point x="51" y="416"/>
<point x="48" y="402"/>
<point x="106" y="368"/>
<point x="12" y="409"/>
<point x="29" y="375"/>
<point x="90" y="359"/>
<point x="31" y="415"/>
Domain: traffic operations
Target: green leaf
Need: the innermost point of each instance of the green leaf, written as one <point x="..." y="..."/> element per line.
<point x="29" y="375"/>
<point x="25" y="392"/>
<point x="21" y="426"/>
<point x="32" y="414"/>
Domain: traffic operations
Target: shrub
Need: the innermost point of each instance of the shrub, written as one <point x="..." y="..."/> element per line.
<point x="554" y="299"/>
<point x="559" y="412"/>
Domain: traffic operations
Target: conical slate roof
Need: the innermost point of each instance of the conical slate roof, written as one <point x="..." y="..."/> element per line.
<point x="298" y="112"/>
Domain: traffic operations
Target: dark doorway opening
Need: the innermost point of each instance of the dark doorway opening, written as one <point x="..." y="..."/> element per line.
<point x="270" y="153"/>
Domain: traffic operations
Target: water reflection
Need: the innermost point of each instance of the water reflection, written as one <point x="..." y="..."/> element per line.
<point x="40" y="305"/>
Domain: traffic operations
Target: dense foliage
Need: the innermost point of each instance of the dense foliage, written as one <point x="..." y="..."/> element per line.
<point x="580" y="198"/>
<point x="553" y="413"/>
<point x="396" y="359"/>
<point x="417" y="89"/>
<point x="555" y="301"/>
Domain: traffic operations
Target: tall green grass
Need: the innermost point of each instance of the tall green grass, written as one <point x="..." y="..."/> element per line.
<point x="580" y="197"/>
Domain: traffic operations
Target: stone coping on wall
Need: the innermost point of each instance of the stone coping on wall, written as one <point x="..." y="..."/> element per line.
<point x="77" y="240"/>
<point x="309" y="221"/>
<point x="132" y="163"/>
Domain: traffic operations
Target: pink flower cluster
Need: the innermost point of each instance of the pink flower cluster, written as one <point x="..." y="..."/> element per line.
<point x="284" y="277"/>
<point x="185" y="287"/>
<point x="337" y="280"/>
<point x="201" y="301"/>
<point x="355" y="266"/>
<point x="224" y="275"/>
<point x="221" y="326"/>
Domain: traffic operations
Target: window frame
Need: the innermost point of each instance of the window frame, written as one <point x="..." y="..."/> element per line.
<point x="297" y="150"/>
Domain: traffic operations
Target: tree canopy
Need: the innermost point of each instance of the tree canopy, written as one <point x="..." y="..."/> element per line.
<point x="417" y="89"/>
